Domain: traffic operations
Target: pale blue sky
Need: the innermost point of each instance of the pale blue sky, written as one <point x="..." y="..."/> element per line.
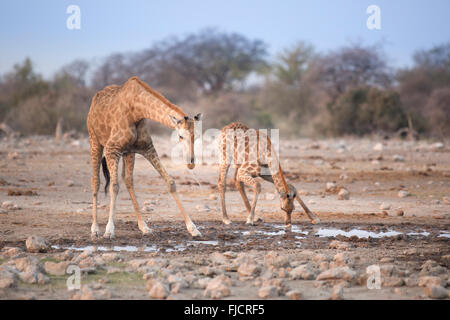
<point x="38" y="28"/>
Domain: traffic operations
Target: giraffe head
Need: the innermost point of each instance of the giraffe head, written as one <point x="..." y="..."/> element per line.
<point x="287" y="199"/>
<point x="186" y="130"/>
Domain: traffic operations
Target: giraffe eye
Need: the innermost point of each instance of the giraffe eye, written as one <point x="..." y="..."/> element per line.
<point x="181" y="138"/>
<point x="287" y="196"/>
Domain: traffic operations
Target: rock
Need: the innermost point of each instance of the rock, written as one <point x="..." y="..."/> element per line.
<point x="267" y="292"/>
<point x="342" y="259"/>
<point x="201" y="283"/>
<point x="202" y="208"/>
<point x="436" y="292"/>
<point x="343" y="176"/>
<point x="157" y="289"/>
<point x="302" y="272"/>
<point x="217" y="288"/>
<point x="147" y="208"/>
<point x="70" y="183"/>
<point x="8" y="205"/>
<point x="336" y="244"/>
<point x="402" y="194"/>
<point x="324" y="265"/>
<point x="137" y="263"/>
<point x="388" y="270"/>
<point x="11" y="251"/>
<point x="212" y="196"/>
<point x="302" y="192"/>
<point x="112" y="256"/>
<point x="340" y="273"/>
<point x="36" y="244"/>
<point x="411" y="282"/>
<point x="337" y="293"/>
<point x="446" y="200"/>
<point x="56" y="268"/>
<point x="426" y="281"/>
<point x="398" y="158"/>
<point x="7" y="278"/>
<point x="249" y="269"/>
<point x="437" y="146"/>
<point x="206" y="271"/>
<point x="392" y="282"/>
<point x="294" y="295"/>
<point x="88" y="293"/>
<point x="218" y="258"/>
<point x="378" y="147"/>
<point x="276" y="260"/>
<point x="320" y="257"/>
<point x="385" y="206"/>
<point x="330" y="187"/>
<point x="399" y="213"/>
<point x="343" y="194"/>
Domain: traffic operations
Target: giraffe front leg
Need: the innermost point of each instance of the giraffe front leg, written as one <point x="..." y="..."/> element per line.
<point x="96" y="154"/>
<point x="152" y="156"/>
<point x="127" y="176"/>
<point x="256" y="186"/>
<point x="112" y="160"/>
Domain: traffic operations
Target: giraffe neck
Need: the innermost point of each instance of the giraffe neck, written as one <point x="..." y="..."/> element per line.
<point x="149" y="104"/>
<point x="275" y="170"/>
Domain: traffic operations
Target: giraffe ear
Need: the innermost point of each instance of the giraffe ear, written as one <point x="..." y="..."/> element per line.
<point x="198" y="117"/>
<point x="174" y="120"/>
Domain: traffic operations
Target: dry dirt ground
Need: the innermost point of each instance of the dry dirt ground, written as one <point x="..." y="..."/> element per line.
<point x="407" y="238"/>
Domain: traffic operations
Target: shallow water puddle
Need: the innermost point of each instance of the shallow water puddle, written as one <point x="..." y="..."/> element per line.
<point x="112" y="248"/>
<point x="356" y="232"/>
<point x="444" y="234"/>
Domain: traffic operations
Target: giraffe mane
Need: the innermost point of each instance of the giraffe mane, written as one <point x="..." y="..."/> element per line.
<point x="158" y="95"/>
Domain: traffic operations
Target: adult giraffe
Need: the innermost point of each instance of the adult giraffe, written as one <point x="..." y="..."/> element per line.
<point x="116" y="126"/>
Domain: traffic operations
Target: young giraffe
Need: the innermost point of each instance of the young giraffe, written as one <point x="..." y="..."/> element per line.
<point x="116" y="125"/>
<point x="252" y="153"/>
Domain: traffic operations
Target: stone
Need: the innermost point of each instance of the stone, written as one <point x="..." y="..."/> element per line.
<point x="212" y="196"/>
<point x="402" y="194"/>
<point x="218" y="258"/>
<point x="56" y="268"/>
<point x="437" y="146"/>
<point x="8" y="278"/>
<point x="137" y="263"/>
<point x="336" y="244"/>
<point x="249" y="269"/>
<point x="294" y="295"/>
<point x="36" y="244"/>
<point x="330" y="187"/>
<point x="398" y="158"/>
<point x="342" y="259"/>
<point x="88" y="293"/>
<point x="157" y="289"/>
<point x="436" y="292"/>
<point x="378" y="147"/>
<point x="343" y="194"/>
<point x="385" y="206"/>
<point x="337" y="293"/>
<point x="399" y="213"/>
<point x="276" y="260"/>
<point x="392" y="282"/>
<point x="7" y="205"/>
<point x="302" y="272"/>
<point x="11" y="251"/>
<point x="112" y="257"/>
<point x="70" y="183"/>
<point x="339" y="273"/>
<point x="411" y="282"/>
<point x="217" y="288"/>
<point x="426" y="281"/>
<point x="268" y="292"/>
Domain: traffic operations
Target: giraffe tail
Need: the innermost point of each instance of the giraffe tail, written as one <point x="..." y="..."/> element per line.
<point x="106" y="174"/>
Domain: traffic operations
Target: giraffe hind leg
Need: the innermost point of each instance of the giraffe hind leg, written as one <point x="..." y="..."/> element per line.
<point x="222" y="186"/>
<point x="96" y="154"/>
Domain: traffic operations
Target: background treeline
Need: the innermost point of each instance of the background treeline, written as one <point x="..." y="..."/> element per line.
<point x="351" y="90"/>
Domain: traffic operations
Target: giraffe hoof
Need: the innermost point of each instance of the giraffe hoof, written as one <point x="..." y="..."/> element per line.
<point x="95" y="236"/>
<point x="108" y="235"/>
<point x="226" y="221"/>
<point x="315" y="221"/>
<point x="194" y="232"/>
<point x="146" y="231"/>
<point x="258" y="219"/>
<point x="250" y="222"/>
